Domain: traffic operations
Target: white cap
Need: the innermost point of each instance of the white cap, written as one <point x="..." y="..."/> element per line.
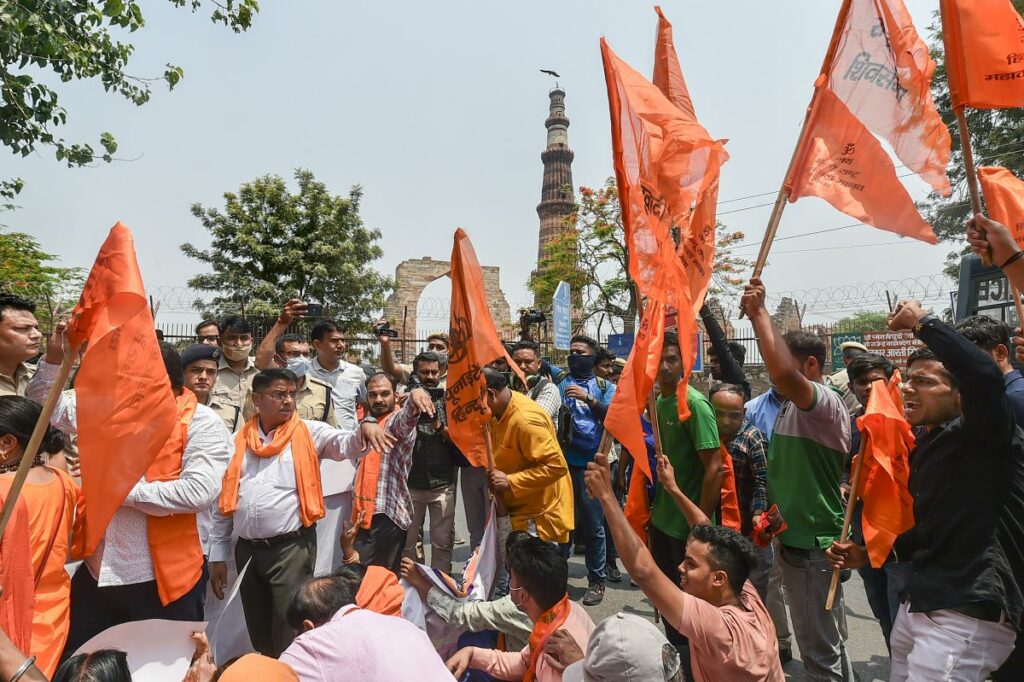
<point x="625" y="648"/>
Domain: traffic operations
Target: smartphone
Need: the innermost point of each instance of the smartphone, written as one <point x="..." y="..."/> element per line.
<point x="314" y="310"/>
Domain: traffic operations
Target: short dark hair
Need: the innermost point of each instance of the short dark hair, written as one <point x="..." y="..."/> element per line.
<point x="288" y="338"/>
<point x="583" y="338"/>
<point x="526" y="345"/>
<point x="803" y="345"/>
<point x="172" y="363"/>
<point x="496" y="381"/>
<point x="322" y="328"/>
<point x="603" y="355"/>
<point x="541" y="569"/>
<point x="377" y="376"/>
<point x="730" y="552"/>
<point x="723" y="387"/>
<point x="425" y="356"/>
<point x="318" y="599"/>
<point x="103" y="665"/>
<point x="12" y="302"/>
<point x="670" y="338"/>
<point x="18" y="417"/>
<point x="267" y="377"/>
<point x="207" y="323"/>
<point x="984" y="332"/>
<point x="738" y="350"/>
<point x="865" y="362"/>
<point x="926" y="353"/>
<point x="234" y="323"/>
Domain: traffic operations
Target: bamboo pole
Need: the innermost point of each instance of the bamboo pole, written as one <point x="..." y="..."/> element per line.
<point x="851" y="504"/>
<point x="36" y="439"/>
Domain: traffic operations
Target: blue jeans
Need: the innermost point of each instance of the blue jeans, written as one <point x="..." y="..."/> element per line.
<point x="589" y="526"/>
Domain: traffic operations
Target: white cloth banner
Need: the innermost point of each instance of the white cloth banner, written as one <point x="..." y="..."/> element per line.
<point x="158" y="650"/>
<point x="229" y="633"/>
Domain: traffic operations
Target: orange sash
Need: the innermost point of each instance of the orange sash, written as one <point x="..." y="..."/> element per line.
<point x="307" y="466"/>
<point x="364" y="492"/>
<point x="174" y="539"/>
<point x="549" y="621"/>
<point x="729" y="501"/>
<point x="380" y="592"/>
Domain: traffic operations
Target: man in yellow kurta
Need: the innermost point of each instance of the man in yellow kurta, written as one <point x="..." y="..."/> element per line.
<point x="530" y="472"/>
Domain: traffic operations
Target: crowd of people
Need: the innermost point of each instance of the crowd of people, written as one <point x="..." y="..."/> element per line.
<point x="336" y="487"/>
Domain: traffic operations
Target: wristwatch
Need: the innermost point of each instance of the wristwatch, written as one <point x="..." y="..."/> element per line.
<point x="922" y="322"/>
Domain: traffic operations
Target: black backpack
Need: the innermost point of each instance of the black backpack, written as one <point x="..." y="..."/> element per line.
<point x="563" y="418"/>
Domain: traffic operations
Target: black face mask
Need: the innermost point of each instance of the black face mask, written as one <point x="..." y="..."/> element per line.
<point x="582" y="366"/>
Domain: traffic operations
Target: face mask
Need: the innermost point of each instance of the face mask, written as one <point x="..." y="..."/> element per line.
<point x="300" y="365"/>
<point x="442" y="357"/>
<point x="237" y="353"/>
<point x="582" y="365"/>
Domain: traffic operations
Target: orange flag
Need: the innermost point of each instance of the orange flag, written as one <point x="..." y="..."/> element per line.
<point x="473" y="343"/>
<point x="885" y="472"/>
<point x="668" y="75"/>
<point x="880" y="68"/>
<point x="984" y="42"/>
<point x="125" y="406"/>
<point x="1004" y="197"/>
<point x="840" y="161"/>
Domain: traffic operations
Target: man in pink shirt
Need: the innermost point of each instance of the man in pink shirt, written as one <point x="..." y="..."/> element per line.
<point x="732" y="638"/>
<point x="539" y="577"/>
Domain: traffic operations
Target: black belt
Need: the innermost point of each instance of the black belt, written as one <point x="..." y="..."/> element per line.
<point x="992" y="613"/>
<point x="284" y="537"/>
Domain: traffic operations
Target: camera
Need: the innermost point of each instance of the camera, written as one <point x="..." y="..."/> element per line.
<point x="384" y="329"/>
<point x="533" y="316"/>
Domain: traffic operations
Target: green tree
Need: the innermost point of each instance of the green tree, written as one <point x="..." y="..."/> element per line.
<point x="864" y="321"/>
<point x="28" y="271"/>
<point x="74" y="40"/>
<point x="591" y="255"/>
<point x="269" y="245"/>
<point x="996" y="139"/>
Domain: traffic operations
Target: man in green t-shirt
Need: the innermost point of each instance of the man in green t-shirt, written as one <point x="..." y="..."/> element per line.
<point x="805" y="462"/>
<point x="693" y="449"/>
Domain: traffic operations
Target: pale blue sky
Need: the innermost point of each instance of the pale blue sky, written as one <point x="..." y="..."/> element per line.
<point x="437" y="110"/>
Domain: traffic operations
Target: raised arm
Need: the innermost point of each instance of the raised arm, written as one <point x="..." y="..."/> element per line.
<point x="731" y="371"/>
<point x="986" y="235"/>
<point x="292" y="310"/>
<point x="387" y="360"/>
<point x="695" y="515"/>
<point x="782" y="366"/>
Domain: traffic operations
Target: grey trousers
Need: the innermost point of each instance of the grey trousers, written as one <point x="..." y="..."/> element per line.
<point x="474" y="501"/>
<point x="820" y="634"/>
<point x="276" y="571"/>
<point x="776" y="601"/>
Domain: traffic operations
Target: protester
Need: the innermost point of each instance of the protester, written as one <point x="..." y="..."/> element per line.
<point x="964" y="600"/>
<point x="355" y="643"/>
<point x="104" y="665"/>
<point x="253" y="667"/>
<point x="621" y="647"/>
<point x="208" y="332"/>
<point x="529" y="473"/>
<point x="540" y="388"/>
<point x="382" y="505"/>
<point x="539" y="577"/>
<point x="403" y="373"/>
<point x="19" y="340"/>
<point x="806" y="452"/>
<point x="748" y="448"/>
<point x="841" y="379"/>
<point x="725" y="358"/>
<point x="50" y="495"/>
<point x="710" y="601"/>
<point x="695" y="451"/>
<point x="604" y="363"/>
<point x="271" y="499"/>
<point x="145" y="567"/>
<point x="588" y="397"/>
<point x="993" y="337"/>
<point x="235" y="371"/>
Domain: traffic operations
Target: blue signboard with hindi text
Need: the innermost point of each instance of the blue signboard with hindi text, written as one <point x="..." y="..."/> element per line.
<point x="562" y="313"/>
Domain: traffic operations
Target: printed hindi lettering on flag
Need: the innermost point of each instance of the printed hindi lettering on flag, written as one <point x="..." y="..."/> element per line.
<point x="126" y="409"/>
<point x="984" y="42"/>
<point x="473" y="342"/>
<point x="1004" y="197"/>
<point x="888" y="505"/>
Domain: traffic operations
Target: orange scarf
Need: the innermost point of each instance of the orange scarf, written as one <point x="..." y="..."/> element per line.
<point x="17" y="576"/>
<point x="549" y="621"/>
<point x="729" y="501"/>
<point x="380" y="592"/>
<point x="174" y="539"/>
<point x="364" y="493"/>
<point x="307" y="466"/>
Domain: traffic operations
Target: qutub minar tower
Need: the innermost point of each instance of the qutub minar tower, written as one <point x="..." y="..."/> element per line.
<point x="557" y="201"/>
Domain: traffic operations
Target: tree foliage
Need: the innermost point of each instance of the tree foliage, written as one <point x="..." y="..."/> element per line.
<point x="269" y="245"/>
<point x="28" y="271"/>
<point x="591" y="255"/>
<point x="997" y="139"/>
<point x="864" y="321"/>
<point x="75" y="40"/>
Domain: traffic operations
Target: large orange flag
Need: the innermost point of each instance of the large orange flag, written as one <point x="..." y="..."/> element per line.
<point x="668" y="75"/>
<point x="126" y="409"/>
<point x="473" y="343"/>
<point x="984" y="42"/>
<point x="1004" y="197"/>
<point x="840" y="161"/>
<point x="885" y="472"/>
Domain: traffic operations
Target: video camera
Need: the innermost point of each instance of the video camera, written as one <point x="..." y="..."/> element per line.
<point x="384" y="329"/>
<point x="532" y="316"/>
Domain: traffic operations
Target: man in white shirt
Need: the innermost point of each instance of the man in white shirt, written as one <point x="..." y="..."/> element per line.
<point x="271" y="500"/>
<point x="118" y="583"/>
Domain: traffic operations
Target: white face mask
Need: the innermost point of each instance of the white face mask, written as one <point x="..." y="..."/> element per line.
<point x="236" y="353"/>
<point x="299" y="365"/>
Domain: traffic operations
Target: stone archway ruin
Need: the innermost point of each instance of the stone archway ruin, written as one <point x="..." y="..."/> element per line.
<point x="412" y="277"/>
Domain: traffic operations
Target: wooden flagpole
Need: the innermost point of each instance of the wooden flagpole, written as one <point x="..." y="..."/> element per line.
<point x="851" y="504"/>
<point x="37" y="438"/>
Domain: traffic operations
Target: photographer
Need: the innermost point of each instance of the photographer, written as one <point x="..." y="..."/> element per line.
<point x="403" y="374"/>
